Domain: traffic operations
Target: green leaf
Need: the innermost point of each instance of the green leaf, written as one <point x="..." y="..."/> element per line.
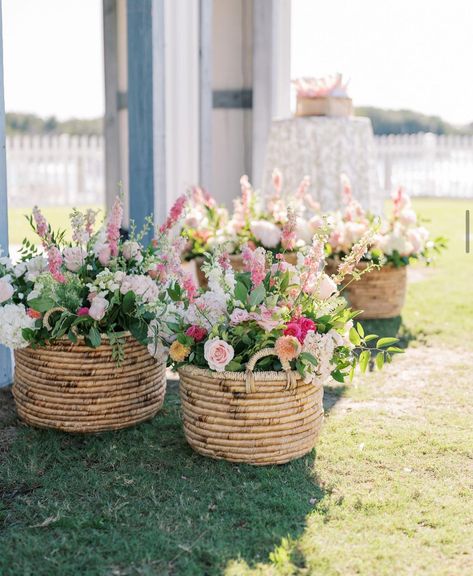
<point x="257" y="295"/>
<point x="94" y="337"/>
<point x="364" y="360"/>
<point x="233" y="366"/>
<point x="72" y="337"/>
<point x="128" y="302"/>
<point x="380" y="360"/>
<point x="352" y="371"/>
<point x="354" y="337"/>
<point x="309" y="357"/>
<point x="371" y="337"/>
<point x="241" y="291"/>
<point x="175" y="291"/>
<point x="42" y="304"/>
<point x="338" y="376"/>
<point x="382" y="342"/>
<point x="395" y="350"/>
<point x="359" y="329"/>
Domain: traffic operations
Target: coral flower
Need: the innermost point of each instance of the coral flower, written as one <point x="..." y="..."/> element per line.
<point x="287" y="348"/>
<point x="179" y="352"/>
<point x="33" y="313"/>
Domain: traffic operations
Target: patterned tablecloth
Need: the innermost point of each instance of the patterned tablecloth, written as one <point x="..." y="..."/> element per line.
<point x="323" y="148"/>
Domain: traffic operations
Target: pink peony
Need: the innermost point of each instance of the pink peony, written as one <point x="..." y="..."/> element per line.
<point x="218" y="354"/>
<point x="6" y="290"/>
<point x="74" y="258"/>
<point x="287" y="348"/>
<point x="98" y="308"/>
<point x="198" y="333"/>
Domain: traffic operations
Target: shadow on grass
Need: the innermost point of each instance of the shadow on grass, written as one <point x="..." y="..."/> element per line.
<point x="140" y="501"/>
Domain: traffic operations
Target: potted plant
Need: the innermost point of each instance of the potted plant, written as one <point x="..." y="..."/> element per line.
<point x="254" y="352"/>
<point x="398" y="242"/>
<point x="279" y="222"/>
<point x="81" y="317"/>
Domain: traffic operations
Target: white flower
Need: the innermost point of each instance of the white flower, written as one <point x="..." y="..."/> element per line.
<point x="6" y="290"/>
<point x="143" y="286"/>
<point x="19" y="269"/>
<point x="321" y="346"/>
<point x="74" y="258"/>
<point x="304" y="230"/>
<point x="131" y="250"/>
<point x="156" y="347"/>
<point x="266" y="232"/>
<point x="13" y="318"/>
<point x="207" y="309"/>
<point x="326" y="287"/>
<point x="35" y="267"/>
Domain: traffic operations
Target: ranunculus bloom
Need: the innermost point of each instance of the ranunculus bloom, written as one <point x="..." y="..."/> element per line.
<point x="6" y="290"/>
<point x="98" y="308"/>
<point x="198" y="333"/>
<point x="74" y="258"/>
<point x="287" y="348"/>
<point x="179" y="352"/>
<point x="218" y="354"/>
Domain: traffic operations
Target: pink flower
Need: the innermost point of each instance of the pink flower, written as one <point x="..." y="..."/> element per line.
<point x="74" y="258"/>
<point x="82" y="311"/>
<point x="174" y="214"/>
<point x="287" y="348"/>
<point x="131" y="251"/>
<point x="277" y="180"/>
<point x="90" y="221"/>
<point x="306" y="325"/>
<point x="6" y="290"/>
<point x="33" y="313"/>
<point x="113" y="226"/>
<point x="42" y="226"/>
<point x="293" y="329"/>
<point x="299" y="328"/>
<point x="326" y="287"/>
<point x="198" y="333"/>
<point x="218" y="354"/>
<point x="54" y="264"/>
<point x="254" y="261"/>
<point x="239" y="315"/>
<point x="98" y="308"/>
<point x="267" y="319"/>
<point x="104" y="254"/>
<point x="288" y="235"/>
<point x="190" y="287"/>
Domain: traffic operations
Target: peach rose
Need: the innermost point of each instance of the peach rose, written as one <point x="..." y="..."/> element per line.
<point x="218" y="354"/>
<point x="287" y="348"/>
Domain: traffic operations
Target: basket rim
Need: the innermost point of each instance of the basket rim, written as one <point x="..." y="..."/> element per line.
<point x="260" y="376"/>
<point x="364" y="264"/>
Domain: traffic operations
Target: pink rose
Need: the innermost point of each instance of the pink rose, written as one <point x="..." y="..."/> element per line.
<point x="267" y="319"/>
<point x="82" y="311"/>
<point x="6" y="290"/>
<point x="104" y="255"/>
<point x="293" y="329"/>
<point x="98" y="308"/>
<point x="239" y="315"/>
<point x="74" y="258"/>
<point x="218" y="354"/>
<point x="326" y="287"/>
<point x="198" y="333"/>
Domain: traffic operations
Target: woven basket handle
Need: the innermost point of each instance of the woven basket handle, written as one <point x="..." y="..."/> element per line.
<point x="48" y="315"/>
<point x="250" y="377"/>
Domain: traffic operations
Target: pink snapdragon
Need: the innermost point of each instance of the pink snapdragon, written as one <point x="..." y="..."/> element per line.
<point x="277" y="180"/>
<point x="288" y="235"/>
<point x="175" y="214"/>
<point x="190" y="287"/>
<point x="254" y="261"/>
<point x="42" y="226"/>
<point x="113" y="226"/>
<point x="90" y="221"/>
<point x="55" y="263"/>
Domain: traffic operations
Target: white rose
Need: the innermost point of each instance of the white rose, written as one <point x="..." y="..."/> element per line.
<point x="6" y="290"/>
<point x="131" y="251"/>
<point x="266" y="232"/>
<point x="218" y="354"/>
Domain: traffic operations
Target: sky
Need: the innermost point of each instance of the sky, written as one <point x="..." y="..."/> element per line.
<point x="397" y="53"/>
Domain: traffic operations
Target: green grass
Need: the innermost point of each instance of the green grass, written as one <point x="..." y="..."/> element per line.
<point x="19" y="227"/>
<point x="388" y="491"/>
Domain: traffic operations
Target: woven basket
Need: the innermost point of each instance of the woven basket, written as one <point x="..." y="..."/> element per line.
<point x="254" y="417"/>
<point x="237" y="265"/>
<point x="75" y="388"/>
<point x="378" y="293"/>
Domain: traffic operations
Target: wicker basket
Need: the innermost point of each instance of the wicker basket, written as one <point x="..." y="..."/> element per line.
<point x="254" y="417"/>
<point x="324" y="106"/>
<point x="379" y="293"/>
<point x="75" y="388"/>
<point x="237" y="264"/>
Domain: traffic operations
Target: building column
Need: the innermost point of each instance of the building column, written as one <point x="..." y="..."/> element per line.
<point x="6" y="374"/>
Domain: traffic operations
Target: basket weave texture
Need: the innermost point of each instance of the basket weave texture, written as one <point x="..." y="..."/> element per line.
<point x="236" y="261"/>
<point x="75" y="388"/>
<point x="379" y="293"/>
<point x="258" y="418"/>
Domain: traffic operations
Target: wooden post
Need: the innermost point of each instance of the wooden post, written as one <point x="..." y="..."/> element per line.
<point x="205" y="90"/>
<point x="5" y="353"/>
<point x="271" y="73"/>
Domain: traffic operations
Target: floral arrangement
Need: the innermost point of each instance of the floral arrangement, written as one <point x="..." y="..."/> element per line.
<point x="99" y="284"/>
<point x="278" y="222"/>
<point x="295" y="309"/>
<point x="398" y="240"/>
<point x="324" y="87"/>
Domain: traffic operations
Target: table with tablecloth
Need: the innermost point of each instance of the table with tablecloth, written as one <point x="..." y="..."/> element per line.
<point x="323" y="148"/>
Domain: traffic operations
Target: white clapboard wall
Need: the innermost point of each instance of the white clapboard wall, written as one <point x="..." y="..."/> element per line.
<point x="69" y="170"/>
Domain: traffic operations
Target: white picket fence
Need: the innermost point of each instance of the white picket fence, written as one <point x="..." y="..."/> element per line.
<point x="426" y="164"/>
<point x="55" y="170"/>
<point x="69" y="170"/>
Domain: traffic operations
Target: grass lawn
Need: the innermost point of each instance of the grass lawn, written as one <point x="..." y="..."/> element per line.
<point x="389" y="489"/>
